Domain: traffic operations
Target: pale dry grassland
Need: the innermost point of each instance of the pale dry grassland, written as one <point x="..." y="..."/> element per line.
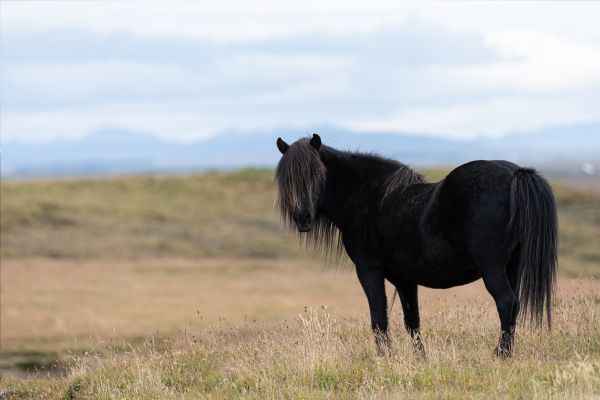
<point x="52" y="305"/>
<point x="322" y="355"/>
<point x="187" y="287"/>
<point x="194" y="329"/>
<point x="227" y="215"/>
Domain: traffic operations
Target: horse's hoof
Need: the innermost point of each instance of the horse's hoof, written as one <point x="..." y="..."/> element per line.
<point x="419" y="350"/>
<point x="505" y="346"/>
<point x="420" y="354"/>
<point x="502" y="353"/>
<point x="382" y="343"/>
<point x="384" y="349"/>
<point x="382" y="352"/>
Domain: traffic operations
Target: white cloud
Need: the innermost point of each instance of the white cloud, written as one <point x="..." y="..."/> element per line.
<point x="547" y="61"/>
<point x="72" y="123"/>
<point x="55" y="85"/>
<point x="100" y="82"/>
<point x="250" y="20"/>
<point x="490" y="118"/>
<point x="546" y="72"/>
<point x="536" y="65"/>
<point x="173" y="120"/>
<point x="546" y="80"/>
<point x="226" y="21"/>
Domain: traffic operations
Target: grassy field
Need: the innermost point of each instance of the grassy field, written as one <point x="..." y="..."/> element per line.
<point x="187" y="287"/>
<point x="208" y="215"/>
<point x="322" y="355"/>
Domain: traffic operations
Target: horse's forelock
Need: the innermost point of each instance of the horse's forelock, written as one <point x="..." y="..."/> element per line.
<point x="298" y="175"/>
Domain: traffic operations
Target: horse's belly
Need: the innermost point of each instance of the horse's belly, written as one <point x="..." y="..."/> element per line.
<point x="436" y="282"/>
<point x="439" y="273"/>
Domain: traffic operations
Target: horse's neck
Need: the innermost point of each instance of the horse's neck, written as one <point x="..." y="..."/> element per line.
<point x="349" y="179"/>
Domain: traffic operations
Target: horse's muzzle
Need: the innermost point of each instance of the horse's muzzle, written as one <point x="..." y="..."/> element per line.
<point x="304" y="221"/>
<point x="304" y="228"/>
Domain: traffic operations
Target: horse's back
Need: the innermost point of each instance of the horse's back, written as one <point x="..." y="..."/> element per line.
<point x="482" y="171"/>
<point x="475" y="183"/>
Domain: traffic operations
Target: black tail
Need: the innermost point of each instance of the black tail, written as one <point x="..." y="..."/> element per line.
<point x="533" y="229"/>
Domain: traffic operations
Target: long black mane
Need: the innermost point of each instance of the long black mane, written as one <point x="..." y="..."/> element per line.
<point x="301" y="171"/>
<point x="402" y="179"/>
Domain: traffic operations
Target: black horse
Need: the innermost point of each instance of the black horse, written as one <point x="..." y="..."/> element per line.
<point x="487" y="219"/>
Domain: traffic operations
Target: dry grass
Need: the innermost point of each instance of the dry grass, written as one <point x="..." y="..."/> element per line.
<point x="47" y="305"/>
<point x="52" y="305"/>
<point x="208" y="215"/>
<point x="182" y="328"/>
<point x="176" y="287"/>
<point x="321" y="355"/>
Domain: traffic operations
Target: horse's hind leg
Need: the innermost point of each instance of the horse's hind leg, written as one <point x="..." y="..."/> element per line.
<point x="507" y="302"/>
<point x="513" y="274"/>
<point x="410" y="309"/>
<point x="514" y="279"/>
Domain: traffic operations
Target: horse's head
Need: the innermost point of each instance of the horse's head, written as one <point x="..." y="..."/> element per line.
<point x="300" y="176"/>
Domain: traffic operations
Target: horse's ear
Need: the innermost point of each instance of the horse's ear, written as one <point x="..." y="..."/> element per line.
<point x="315" y="141"/>
<point x="282" y="146"/>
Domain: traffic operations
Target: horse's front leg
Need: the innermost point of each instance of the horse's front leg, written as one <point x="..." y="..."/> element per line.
<point x="410" y="309"/>
<point x="373" y="283"/>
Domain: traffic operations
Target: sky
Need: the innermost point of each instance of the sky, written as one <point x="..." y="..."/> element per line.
<point x="185" y="71"/>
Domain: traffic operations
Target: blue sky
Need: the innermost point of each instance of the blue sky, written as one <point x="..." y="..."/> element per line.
<point x="190" y="70"/>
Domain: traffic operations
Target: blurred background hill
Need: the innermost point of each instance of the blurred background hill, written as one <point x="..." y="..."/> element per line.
<point x="118" y="151"/>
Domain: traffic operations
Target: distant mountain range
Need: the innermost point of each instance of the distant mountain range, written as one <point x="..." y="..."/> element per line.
<point x="115" y="151"/>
